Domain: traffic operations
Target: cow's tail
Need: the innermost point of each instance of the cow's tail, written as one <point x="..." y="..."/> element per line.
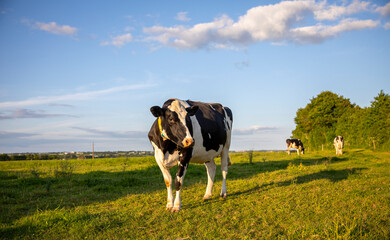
<point x="229" y="113"/>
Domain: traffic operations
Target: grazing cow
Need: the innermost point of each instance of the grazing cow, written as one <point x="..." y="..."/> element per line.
<point x="295" y="143"/>
<point x="338" y="143"/>
<point x="188" y="131"/>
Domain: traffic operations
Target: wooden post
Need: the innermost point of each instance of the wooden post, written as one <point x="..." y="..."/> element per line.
<point x="373" y="142"/>
<point x="322" y="147"/>
<point x="93" y="150"/>
<point x="250" y="156"/>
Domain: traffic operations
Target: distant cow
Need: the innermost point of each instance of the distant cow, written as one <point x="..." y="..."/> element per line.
<point x="338" y="143"/>
<point x="188" y="131"/>
<point x="295" y="143"/>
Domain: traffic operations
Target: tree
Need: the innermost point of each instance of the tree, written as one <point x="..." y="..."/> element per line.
<point x="316" y="123"/>
<point x="5" y="157"/>
<point x="329" y="115"/>
<point x="377" y="122"/>
<point x="351" y="127"/>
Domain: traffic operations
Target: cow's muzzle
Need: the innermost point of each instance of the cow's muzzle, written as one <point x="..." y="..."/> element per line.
<point x="188" y="142"/>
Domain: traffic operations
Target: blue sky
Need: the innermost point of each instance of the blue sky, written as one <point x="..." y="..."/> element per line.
<point x="77" y="72"/>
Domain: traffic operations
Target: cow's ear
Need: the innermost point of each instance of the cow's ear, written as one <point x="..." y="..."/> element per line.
<point x="156" y="111"/>
<point x="192" y="110"/>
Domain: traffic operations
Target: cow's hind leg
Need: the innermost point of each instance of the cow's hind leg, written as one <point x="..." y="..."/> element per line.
<point x="211" y="167"/>
<point x="225" y="160"/>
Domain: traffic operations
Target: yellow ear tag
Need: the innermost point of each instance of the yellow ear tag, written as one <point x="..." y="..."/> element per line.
<point x="159" y="126"/>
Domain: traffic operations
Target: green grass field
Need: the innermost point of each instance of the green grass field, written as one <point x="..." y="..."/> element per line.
<point x="315" y="196"/>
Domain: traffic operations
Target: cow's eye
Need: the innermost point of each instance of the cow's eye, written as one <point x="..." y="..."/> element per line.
<point x="171" y="121"/>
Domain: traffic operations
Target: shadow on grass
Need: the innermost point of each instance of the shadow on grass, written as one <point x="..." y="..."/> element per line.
<point x="23" y="194"/>
<point x="331" y="175"/>
<point x="245" y="170"/>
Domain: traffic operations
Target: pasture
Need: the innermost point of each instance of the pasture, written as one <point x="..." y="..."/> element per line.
<point x="314" y="196"/>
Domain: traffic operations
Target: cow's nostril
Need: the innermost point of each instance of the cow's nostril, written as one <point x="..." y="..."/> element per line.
<point x="187" y="142"/>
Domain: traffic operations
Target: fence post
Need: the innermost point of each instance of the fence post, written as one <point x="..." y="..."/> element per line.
<point x="250" y="156"/>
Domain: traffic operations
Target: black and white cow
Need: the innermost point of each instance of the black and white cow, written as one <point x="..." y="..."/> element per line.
<point x="338" y="143"/>
<point x="188" y="131"/>
<point x="295" y="143"/>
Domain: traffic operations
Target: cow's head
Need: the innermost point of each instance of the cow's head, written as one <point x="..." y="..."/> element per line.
<point x="174" y="122"/>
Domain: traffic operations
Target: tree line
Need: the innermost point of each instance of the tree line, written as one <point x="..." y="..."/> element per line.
<point x="59" y="156"/>
<point x="34" y="156"/>
<point x="329" y="115"/>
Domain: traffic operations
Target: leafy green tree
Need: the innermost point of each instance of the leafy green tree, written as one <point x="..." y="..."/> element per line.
<point x="19" y="157"/>
<point x="316" y="123"/>
<point x="377" y="122"/>
<point x="351" y="127"/>
<point x="5" y="157"/>
<point x="329" y="115"/>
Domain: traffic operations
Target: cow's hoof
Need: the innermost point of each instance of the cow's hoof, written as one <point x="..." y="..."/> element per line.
<point x="169" y="206"/>
<point x="223" y="195"/>
<point x="207" y="197"/>
<point x="175" y="209"/>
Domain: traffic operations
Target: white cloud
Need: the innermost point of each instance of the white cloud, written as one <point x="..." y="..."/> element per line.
<point x="252" y="130"/>
<point x="242" y="64"/>
<point x="52" y="27"/>
<point x="265" y="23"/>
<point x="281" y="22"/>
<point x="27" y="113"/>
<point x="112" y="134"/>
<point x="319" y="33"/>
<point x="196" y="37"/>
<point x="385" y="10"/>
<point x="182" y="16"/>
<point x="387" y="26"/>
<point x="72" y="97"/>
<point x="119" y="41"/>
<point x="331" y="12"/>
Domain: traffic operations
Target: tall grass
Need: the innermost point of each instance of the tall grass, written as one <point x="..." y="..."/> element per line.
<point x="314" y="196"/>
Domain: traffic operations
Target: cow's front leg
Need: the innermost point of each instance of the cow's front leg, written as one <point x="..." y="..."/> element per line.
<point x="168" y="184"/>
<point x="159" y="156"/>
<point x="185" y="156"/>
